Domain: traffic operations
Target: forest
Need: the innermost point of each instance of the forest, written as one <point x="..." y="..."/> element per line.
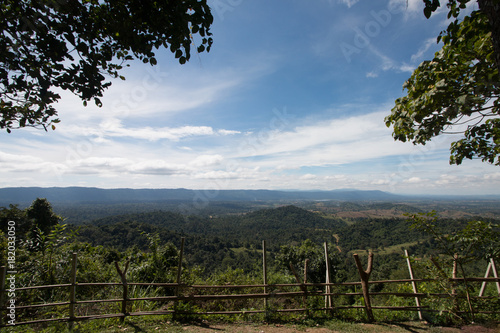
<point x="228" y="235"/>
<point x="223" y="244"/>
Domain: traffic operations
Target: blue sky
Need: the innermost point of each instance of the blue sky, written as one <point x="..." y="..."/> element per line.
<point x="292" y="95"/>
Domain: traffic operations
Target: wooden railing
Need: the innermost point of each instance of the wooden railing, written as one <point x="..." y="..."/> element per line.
<point x="181" y="293"/>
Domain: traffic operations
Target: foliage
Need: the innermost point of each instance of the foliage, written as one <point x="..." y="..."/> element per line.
<point x="42" y="215"/>
<point x="152" y="254"/>
<point x="454" y="7"/>
<point x="296" y="256"/>
<point x="456" y="92"/>
<point x="477" y="240"/>
<point x="13" y="213"/>
<point x="159" y="264"/>
<point x="72" y="45"/>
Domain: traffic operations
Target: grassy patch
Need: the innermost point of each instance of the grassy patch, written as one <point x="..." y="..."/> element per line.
<point x="398" y="248"/>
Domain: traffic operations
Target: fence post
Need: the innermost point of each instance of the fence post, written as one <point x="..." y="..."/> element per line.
<point x="306" y="265"/>
<point x="264" y="274"/>
<point x="491" y="266"/>
<point x="3" y="276"/>
<point x="365" y="276"/>
<point x="328" y="289"/>
<point x="495" y="274"/>
<point x="454" y="275"/>
<point x="123" y="277"/>
<point x="72" y="293"/>
<point x="179" y="271"/>
<point x="413" y="284"/>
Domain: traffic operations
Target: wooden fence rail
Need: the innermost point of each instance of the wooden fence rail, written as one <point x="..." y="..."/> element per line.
<point x="187" y="293"/>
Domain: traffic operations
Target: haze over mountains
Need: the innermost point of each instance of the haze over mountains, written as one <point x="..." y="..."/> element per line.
<point x="22" y="195"/>
<point x="25" y="195"/>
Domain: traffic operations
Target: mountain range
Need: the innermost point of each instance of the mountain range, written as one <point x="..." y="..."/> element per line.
<point x="23" y="196"/>
<point x="87" y="195"/>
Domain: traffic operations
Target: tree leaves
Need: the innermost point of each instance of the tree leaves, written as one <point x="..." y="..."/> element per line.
<point x="456" y="92"/>
<point x="78" y="45"/>
<point x="430" y="7"/>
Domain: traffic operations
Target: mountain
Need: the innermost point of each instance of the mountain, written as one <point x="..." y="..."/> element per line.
<point x="86" y="195"/>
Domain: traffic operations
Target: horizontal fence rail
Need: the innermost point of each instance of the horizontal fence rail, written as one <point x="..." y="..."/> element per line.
<point x="182" y="293"/>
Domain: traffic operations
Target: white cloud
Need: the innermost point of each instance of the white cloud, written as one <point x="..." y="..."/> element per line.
<point x="114" y="128"/>
<point x="493" y="176"/>
<point x="156" y="167"/>
<point x="388" y="64"/>
<point x="414" y="180"/>
<point x="206" y="160"/>
<point x="330" y="141"/>
<point x="411" y="6"/>
<point x="348" y="3"/>
<point x="227" y="132"/>
<point x="380" y="182"/>
<point x="19" y="163"/>
<point x="417" y="57"/>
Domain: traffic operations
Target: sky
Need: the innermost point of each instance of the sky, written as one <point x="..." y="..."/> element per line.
<point x="292" y="96"/>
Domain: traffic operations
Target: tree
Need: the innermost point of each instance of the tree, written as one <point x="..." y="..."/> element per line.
<point x="71" y="45"/>
<point x="297" y="256"/>
<point x="476" y="241"/>
<point x="456" y="92"/>
<point x="42" y="215"/>
<point x="13" y="213"/>
<point x="490" y="8"/>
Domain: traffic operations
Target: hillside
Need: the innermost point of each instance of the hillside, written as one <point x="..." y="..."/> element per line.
<point x="233" y="241"/>
<point x="82" y="195"/>
<point x="226" y="249"/>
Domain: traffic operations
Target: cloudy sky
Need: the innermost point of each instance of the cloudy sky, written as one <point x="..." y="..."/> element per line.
<point x="293" y="95"/>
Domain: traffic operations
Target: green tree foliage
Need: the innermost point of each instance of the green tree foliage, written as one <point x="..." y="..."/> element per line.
<point x="219" y="251"/>
<point x="489" y="8"/>
<point x="159" y="264"/>
<point x="475" y="241"/>
<point x="22" y="223"/>
<point x="297" y="256"/>
<point x="72" y="45"/>
<point x="456" y="92"/>
<point x="42" y="215"/>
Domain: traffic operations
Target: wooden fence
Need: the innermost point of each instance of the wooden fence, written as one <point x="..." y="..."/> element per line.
<point x="181" y="294"/>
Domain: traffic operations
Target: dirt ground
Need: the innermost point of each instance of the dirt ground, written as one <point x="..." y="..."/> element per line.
<point x="375" y="328"/>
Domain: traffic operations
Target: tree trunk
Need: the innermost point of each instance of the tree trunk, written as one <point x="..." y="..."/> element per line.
<point x="491" y="8"/>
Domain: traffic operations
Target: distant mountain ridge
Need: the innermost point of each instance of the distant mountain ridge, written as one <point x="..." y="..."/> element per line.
<point x="25" y="195"/>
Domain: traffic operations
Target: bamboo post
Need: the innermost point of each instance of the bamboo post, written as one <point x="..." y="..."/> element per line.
<point x="264" y="273"/>
<point x="72" y="293"/>
<point x="179" y="267"/>
<point x="413" y="284"/>
<point x="328" y="289"/>
<point x="454" y="274"/>
<point x="491" y="267"/>
<point x="365" y="276"/>
<point x="306" y="264"/>
<point x="483" y="285"/>
<point x="179" y="271"/>
<point x="123" y="277"/>
<point x="495" y="274"/>
<point x="3" y="276"/>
